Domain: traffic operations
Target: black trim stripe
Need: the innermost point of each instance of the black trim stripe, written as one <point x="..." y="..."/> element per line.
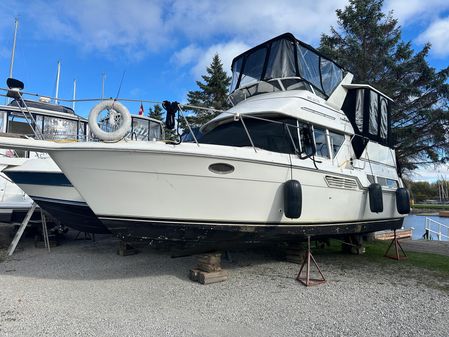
<point x="59" y="201"/>
<point x="246" y="223"/>
<point x="38" y="178"/>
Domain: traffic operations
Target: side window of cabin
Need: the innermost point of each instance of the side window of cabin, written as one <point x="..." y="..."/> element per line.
<point x="386" y="182"/>
<point x="264" y="134"/>
<point x="321" y="144"/>
<point x="336" y="140"/>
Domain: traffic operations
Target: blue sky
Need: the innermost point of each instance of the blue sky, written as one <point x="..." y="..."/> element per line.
<point x="162" y="47"/>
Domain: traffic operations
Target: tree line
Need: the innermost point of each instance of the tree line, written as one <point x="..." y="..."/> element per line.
<point x="423" y="191"/>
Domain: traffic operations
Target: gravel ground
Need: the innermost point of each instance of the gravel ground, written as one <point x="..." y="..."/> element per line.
<point x="85" y="289"/>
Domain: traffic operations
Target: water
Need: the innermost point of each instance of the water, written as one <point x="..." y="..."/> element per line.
<point x="418" y="222"/>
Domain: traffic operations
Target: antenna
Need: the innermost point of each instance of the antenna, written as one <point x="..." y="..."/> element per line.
<point x="13" y="53"/>
<point x="57" y="82"/>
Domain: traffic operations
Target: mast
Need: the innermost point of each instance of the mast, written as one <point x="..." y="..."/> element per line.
<point x="74" y="94"/>
<point x="13" y="53"/>
<point x="57" y="82"/>
<point x="103" y="78"/>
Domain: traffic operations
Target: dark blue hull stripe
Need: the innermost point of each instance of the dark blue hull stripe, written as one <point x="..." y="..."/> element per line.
<point x="38" y="178"/>
<point x="74" y="214"/>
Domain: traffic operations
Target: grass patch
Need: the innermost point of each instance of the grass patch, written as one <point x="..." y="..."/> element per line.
<point x="375" y="251"/>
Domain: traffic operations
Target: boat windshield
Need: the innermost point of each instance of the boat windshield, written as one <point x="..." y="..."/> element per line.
<point x="56" y="128"/>
<point x="273" y="85"/>
<point x="284" y="57"/>
<point x="142" y="128"/>
<point x="51" y="127"/>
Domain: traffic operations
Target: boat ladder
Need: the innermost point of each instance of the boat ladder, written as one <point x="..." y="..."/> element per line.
<point x="440" y="227"/>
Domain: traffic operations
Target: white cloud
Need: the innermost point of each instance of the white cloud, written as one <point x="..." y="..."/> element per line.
<point x="437" y="35"/>
<point x="131" y="28"/>
<point x="226" y="51"/>
<point x="186" y="55"/>
<point x="252" y="20"/>
<point x="409" y="11"/>
<point x="136" y="27"/>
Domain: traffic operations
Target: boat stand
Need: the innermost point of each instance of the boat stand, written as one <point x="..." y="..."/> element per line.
<point x="397" y="246"/>
<point x="45" y="231"/>
<point x="308" y="258"/>
<point x="18" y="236"/>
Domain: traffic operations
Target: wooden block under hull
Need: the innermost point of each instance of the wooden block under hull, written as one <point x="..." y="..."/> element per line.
<point x="208" y="278"/>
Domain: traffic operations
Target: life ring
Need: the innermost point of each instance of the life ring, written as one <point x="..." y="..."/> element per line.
<point x="114" y="107"/>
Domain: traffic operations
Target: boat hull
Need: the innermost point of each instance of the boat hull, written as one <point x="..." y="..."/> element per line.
<point x="76" y="215"/>
<point x="171" y="193"/>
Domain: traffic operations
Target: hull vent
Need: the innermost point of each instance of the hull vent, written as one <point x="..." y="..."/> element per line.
<point x="338" y="182"/>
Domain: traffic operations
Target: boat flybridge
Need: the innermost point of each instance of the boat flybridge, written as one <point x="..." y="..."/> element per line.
<point x="302" y="152"/>
<point x="34" y="176"/>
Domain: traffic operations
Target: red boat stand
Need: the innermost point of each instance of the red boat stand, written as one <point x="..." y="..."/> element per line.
<point x="308" y="258"/>
<point x="397" y="246"/>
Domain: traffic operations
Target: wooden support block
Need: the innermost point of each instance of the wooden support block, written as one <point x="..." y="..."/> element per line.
<point x="193" y="274"/>
<point x="213" y="259"/>
<point x="208" y="267"/>
<point x="214" y="277"/>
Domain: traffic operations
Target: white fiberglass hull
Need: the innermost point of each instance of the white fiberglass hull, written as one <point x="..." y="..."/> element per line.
<point x="169" y="192"/>
<point x="162" y="185"/>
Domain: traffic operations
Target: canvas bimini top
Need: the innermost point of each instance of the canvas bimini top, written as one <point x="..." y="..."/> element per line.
<point x="285" y="56"/>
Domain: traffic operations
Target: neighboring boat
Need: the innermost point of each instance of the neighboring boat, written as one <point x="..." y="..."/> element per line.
<point x="302" y="152"/>
<point x="53" y="122"/>
<point x="44" y="182"/>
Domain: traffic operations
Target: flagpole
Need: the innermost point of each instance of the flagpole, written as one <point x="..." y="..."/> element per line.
<point x="103" y="77"/>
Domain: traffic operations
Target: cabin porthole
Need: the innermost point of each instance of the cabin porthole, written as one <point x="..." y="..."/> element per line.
<point x="221" y="168"/>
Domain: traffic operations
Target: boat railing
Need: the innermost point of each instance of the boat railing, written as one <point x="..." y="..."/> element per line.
<point x="437" y="228"/>
<point x="284" y="84"/>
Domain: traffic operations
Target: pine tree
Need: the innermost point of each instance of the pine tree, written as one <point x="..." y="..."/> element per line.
<point x="156" y="112"/>
<point x="212" y="93"/>
<point x="368" y="43"/>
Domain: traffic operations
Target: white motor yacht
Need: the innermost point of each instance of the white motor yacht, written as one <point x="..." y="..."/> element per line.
<point x="303" y="152"/>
